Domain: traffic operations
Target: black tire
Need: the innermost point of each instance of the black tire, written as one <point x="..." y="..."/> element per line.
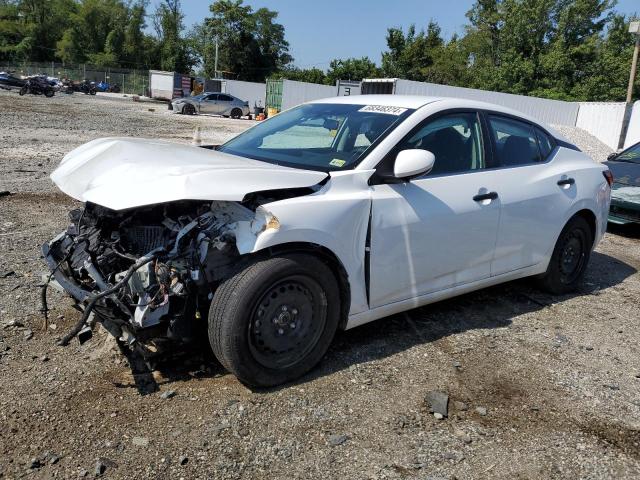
<point x="299" y="297"/>
<point x="189" y="109"/>
<point x="48" y="92"/>
<point x="92" y="91"/>
<point x="23" y="90"/>
<point x="236" y="113"/>
<point x="570" y="257"/>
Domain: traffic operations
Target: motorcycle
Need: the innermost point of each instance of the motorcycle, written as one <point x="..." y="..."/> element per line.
<point x="108" y="87"/>
<point x="87" y="87"/>
<point x="37" y="85"/>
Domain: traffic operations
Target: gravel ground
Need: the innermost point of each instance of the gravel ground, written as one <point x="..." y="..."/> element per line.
<point x="585" y="142"/>
<point x="538" y="386"/>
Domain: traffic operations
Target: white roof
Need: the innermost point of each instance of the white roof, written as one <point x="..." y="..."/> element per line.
<point x="402" y="101"/>
<point x="417" y="101"/>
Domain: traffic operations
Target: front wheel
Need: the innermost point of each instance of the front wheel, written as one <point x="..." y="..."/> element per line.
<point x="273" y="321"/>
<point x="189" y="109"/>
<point x="23" y="90"/>
<point x="570" y="257"/>
<point x="48" y="92"/>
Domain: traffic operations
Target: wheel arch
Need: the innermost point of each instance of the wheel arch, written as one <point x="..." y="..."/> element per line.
<point x="591" y="220"/>
<point x="327" y="256"/>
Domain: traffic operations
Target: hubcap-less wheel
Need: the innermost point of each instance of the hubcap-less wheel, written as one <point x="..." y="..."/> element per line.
<point x="287" y="322"/>
<point x="236" y="113"/>
<point x="572" y="256"/>
<point x="188" y="110"/>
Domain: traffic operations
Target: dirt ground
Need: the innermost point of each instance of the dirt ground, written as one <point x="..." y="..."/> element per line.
<point x="539" y="386"/>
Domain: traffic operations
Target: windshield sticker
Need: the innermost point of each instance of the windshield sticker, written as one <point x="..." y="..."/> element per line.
<point x="389" y="110"/>
<point x="336" y="162"/>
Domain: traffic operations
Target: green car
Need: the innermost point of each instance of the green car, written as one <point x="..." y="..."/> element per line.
<point x="625" y="191"/>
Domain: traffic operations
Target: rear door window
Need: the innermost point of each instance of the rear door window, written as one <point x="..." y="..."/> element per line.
<point x="224" y="98"/>
<point x="515" y="142"/>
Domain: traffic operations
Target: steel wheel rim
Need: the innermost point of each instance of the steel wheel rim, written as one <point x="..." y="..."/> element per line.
<point x="572" y="256"/>
<point x="287" y="322"/>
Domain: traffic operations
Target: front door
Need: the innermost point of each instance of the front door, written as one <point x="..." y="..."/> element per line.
<point x="437" y="231"/>
<point x="209" y="104"/>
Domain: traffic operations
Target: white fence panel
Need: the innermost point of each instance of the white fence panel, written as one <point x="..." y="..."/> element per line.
<point x="633" y="132"/>
<point x="294" y="93"/>
<point x="602" y="120"/>
<point x="550" y="111"/>
<point x="251" y="92"/>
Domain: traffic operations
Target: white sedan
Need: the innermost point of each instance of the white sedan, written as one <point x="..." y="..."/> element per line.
<point x="329" y="215"/>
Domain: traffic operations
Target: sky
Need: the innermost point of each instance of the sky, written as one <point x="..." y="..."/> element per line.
<point x="321" y="30"/>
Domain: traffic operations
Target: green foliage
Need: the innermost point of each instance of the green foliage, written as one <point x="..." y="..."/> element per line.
<point x="564" y="49"/>
<point x="175" y="51"/>
<point x="251" y="45"/>
<point x="351" y="69"/>
<point x="310" y="75"/>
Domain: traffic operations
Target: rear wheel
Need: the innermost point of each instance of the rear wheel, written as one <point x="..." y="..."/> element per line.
<point x="236" y="113"/>
<point x="274" y="320"/>
<point x="23" y="90"/>
<point x="189" y="109"/>
<point x="570" y="257"/>
<point x="49" y="92"/>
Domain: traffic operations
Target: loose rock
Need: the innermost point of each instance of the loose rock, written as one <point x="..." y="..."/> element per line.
<point x="438" y="402"/>
<point x="335" y="440"/>
<point x="168" y="394"/>
<point x="140" y="441"/>
<point x="482" y="411"/>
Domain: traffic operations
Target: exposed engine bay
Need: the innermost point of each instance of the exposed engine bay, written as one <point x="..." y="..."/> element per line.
<point x="150" y="272"/>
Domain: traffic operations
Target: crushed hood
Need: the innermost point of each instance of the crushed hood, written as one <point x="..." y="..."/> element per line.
<point x="121" y="173"/>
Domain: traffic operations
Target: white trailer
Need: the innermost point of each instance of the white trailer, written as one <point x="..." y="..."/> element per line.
<point x="550" y="111"/>
<point x="161" y="84"/>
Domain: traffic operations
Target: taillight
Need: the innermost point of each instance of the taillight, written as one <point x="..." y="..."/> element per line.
<point x="609" y="176"/>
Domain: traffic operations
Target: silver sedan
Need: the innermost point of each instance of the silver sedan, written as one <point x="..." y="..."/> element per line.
<point x="212" y="103"/>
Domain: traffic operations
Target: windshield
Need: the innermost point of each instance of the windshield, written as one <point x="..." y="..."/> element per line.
<point x="632" y="155"/>
<point x="317" y="136"/>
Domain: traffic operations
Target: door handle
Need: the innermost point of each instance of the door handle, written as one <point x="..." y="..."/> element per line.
<point x="566" y="181"/>
<point x="485" y="196"/>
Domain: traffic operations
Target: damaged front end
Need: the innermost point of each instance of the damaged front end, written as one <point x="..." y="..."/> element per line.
<point x="149" y="273"/>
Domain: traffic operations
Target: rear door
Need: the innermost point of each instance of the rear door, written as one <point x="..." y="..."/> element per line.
<point x="535" y="192"/>
<point x="224" y="104"/>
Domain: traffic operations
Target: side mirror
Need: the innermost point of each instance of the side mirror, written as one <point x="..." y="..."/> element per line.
<point x="413" y="163"/>
<point x="611" y="156"/>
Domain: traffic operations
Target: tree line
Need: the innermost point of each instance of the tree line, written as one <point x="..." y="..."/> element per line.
<point x="563" y="49"/>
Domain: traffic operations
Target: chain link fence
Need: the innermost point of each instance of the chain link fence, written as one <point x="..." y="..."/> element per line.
<point x="130" y="81"/>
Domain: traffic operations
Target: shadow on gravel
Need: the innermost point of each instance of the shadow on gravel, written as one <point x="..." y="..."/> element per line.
<point x="491" y="308"/>
<point x="486" y="309"/>
<point x="631" y="230"/>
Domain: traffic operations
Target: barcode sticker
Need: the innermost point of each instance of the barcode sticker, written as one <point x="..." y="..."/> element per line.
<point x="388" y="109"/>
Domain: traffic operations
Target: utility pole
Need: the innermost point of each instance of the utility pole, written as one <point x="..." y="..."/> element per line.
<point x="215" y="62"/>
<point x="634" y="27"/>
